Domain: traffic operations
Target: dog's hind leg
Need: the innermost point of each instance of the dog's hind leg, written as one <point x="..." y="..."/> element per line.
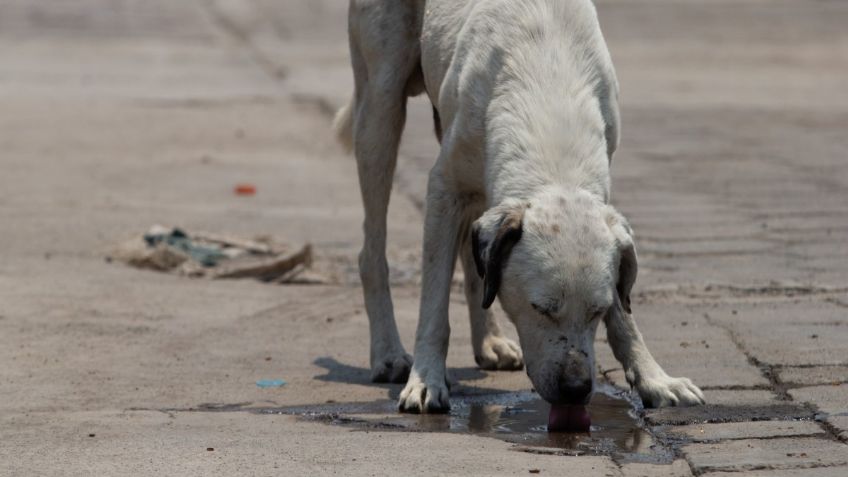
<point x="492" y="350"/>
<point x="384" y="55"/>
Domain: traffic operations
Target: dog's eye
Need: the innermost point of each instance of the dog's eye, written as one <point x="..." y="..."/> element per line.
<point x="596" y="313"/>
<point x="542" y="310"/>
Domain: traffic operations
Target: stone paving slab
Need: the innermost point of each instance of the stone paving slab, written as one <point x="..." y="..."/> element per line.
<point x="800" y="376"/>
<point x="228" y="444"/>
<point x="777" y="453"/>
<point x="790" y="333"/>
<point x="748" y="430"/>
<point x="678" y="468"/>
<point x="827" y="399"/>
<point x="840" y="424"/>
<point x="726" y="413"/>
<point x="685" y="344"/>
<point x="814" y="472"/>
<point x="745" y="397"/>
<point x="840" y="299"/>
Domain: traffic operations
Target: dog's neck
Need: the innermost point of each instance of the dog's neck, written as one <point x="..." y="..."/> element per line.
<point x="544" y="127"/>
<point x="535" y="142"/>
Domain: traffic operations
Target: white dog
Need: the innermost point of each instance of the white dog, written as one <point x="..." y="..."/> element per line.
<point x="525" y="105"/>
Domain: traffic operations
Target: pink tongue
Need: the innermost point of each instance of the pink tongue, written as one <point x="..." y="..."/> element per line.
<point x="564" y="418"/>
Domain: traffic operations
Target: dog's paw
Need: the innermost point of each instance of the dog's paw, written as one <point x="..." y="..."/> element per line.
<point x="393" y="368"/>
<point x="499" y="353"/>
<point x="425" y="394"/>
<point x="664" y="391"/>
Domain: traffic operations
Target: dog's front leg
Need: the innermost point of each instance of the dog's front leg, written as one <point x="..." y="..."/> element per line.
<point x="427" y="390"/>
<point x="655" y="387"/>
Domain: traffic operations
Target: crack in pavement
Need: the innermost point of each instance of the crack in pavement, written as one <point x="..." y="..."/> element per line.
<point x="729" y="293"/>
<point x="777" y="386"/>
<point x="231" y="28"/>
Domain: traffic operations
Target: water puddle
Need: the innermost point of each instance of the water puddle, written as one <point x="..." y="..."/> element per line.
<point x="519" y="418"/>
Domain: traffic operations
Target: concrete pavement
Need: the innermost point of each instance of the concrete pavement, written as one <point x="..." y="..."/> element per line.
<point x="120" y="114"/>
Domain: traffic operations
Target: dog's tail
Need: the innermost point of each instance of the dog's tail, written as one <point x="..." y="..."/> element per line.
<point x="343" y="126"/>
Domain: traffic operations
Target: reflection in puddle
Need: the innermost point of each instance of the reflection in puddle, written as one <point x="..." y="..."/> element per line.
<point x="520" y="418"/>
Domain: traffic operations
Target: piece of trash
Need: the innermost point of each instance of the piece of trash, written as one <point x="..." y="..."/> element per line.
<point x="210" y="449"/>
<point x="216" y="256"/>
<point x="245" y="189"/>
<point x="270" y="383"/>
<point x="208" y="256"/>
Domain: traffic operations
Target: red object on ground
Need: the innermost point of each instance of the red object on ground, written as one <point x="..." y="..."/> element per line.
<point x="245" y="189"/>
<point x="564" y="418"/>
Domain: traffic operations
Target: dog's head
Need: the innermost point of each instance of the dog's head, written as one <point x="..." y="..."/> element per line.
<point x="559" y="263"/>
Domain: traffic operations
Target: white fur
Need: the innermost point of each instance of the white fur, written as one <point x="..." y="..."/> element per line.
<point x="527" y="99"/>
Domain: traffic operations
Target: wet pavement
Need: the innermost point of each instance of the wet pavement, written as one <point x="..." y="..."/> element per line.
<point x="518" y="418"/>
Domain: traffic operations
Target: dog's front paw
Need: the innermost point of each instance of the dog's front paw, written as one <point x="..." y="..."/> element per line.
<point x="425" y="393"/>
<point x="499" y="353"/>
<point x="392" y="368"/>
<point x="661" y="390"/>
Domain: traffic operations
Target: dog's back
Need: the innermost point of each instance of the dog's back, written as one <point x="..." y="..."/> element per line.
<point x="533" y="75"/>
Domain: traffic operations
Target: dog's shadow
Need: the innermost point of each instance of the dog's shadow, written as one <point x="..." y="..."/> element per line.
<point x="338" y="372"/>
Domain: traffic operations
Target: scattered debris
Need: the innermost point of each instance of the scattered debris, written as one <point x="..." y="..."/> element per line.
<point x="270" y="383"/>
<point x="216" y="256"/>
<point x="245" y="189"/>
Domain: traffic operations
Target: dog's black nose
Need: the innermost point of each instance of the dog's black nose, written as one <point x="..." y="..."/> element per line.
<point x="575" y="391"/>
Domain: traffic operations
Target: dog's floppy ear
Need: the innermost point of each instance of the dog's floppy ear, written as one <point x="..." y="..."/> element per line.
<point x="492" y="237"/>
<point x="627" y="265"/>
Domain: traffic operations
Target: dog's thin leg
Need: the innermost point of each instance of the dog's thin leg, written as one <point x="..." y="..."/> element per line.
<point x="378" y="129"/>
<point x="383" y="59"/>
<point x="491" y="349"/>
<point x="426" y="390"/>
<point x="379" y="124"/>
<point x="655" y="387"/>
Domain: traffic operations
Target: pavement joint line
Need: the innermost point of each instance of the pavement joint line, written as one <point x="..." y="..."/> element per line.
<point x="815" y="435"/>
<point x="794" y="385"/>
<point x="706" y="254"/>
<point x="831" y="431"/>
<point x="324" y="106"/>
<point x="659" y="299"/>
<point x="674" y="443"/>
<point x="703" y="238"/>
<point x="231" y="29"/>
<point x="732" y="294"/>
<point x="736" y="387"/>
<point x="753" y="467"/>
<point x="770" y="372"/>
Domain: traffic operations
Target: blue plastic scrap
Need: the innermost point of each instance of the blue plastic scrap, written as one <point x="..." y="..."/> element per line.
<point x="270" y="383"/>
<point x="205" y="255"/>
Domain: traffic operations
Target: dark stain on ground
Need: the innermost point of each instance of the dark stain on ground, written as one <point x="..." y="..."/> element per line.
<point x="620" y="427"/>
<point x="717" y="413"/>
<point x="519" y="418"/>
